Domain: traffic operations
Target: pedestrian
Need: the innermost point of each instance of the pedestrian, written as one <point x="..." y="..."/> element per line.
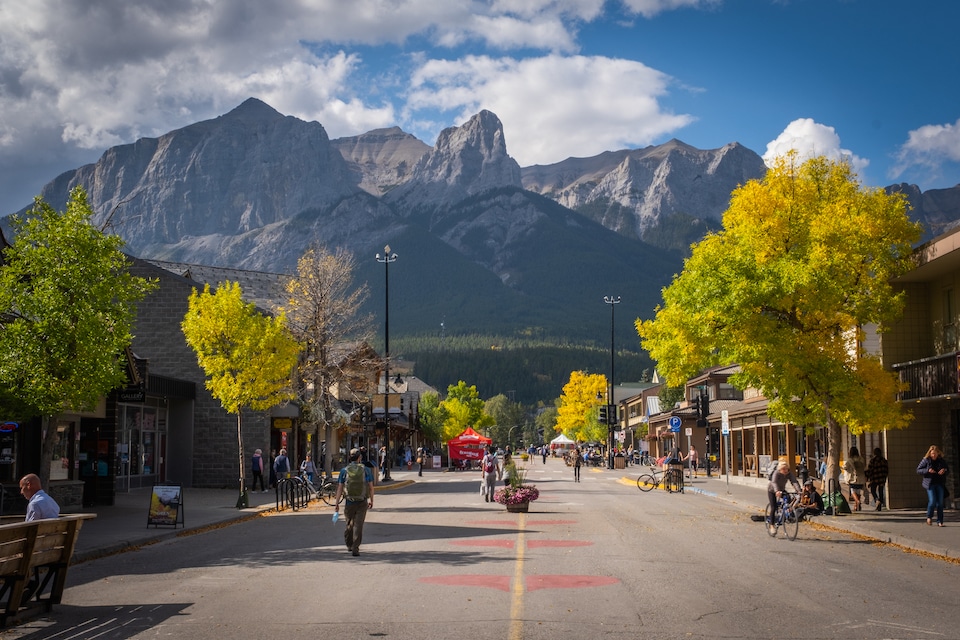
<point x="382" y="458"/>
<point x="934" y="470"/>
<point x="543" y="452"/>
<point x="420" y="454"/>
<point x="692" y="460"/>
<point x="490" y="473"/>
<point x="281" y="465"/>
<point x="308" y="467"/>
<point x="40" y="506"/>
<point x="256" y="469"/>
<point x="855" y="469"/>
<point x="877" y="471"/>
<point x="273" y="471"/>
<point x="577" y="462"/>
<point x="355" y="484"/>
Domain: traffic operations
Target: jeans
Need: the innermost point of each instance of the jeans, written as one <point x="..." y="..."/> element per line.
<point x="879" y="493"/>
<point x="935" y="501"/>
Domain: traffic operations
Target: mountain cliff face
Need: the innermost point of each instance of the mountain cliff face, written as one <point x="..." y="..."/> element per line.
<point x="383" y="158"/>
<point x="630" y="191"/>
<point x="482" y="241"/>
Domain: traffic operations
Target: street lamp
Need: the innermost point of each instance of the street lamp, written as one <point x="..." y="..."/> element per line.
<point x="611" y="405"/>
<point x="386" y="259"/>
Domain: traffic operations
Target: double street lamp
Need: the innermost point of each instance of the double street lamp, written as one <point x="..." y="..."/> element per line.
<point x="386" y="259"/>
<point x="611" y="405"/>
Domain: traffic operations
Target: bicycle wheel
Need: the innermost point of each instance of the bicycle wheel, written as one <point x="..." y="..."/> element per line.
<point x="646" y="482"/>
<point x="791" y="523"/>
<point x="770" y="522"/>
<point x="328" y="493"/>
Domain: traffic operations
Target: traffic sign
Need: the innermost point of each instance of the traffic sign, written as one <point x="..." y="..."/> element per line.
<point x="675" y="424"/>
<point x="724" y="423"/>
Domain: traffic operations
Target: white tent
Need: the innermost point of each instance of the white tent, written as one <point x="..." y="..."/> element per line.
<point x="562" y="442"/>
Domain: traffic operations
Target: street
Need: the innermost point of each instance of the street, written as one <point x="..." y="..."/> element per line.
<point x="594" y="559"/>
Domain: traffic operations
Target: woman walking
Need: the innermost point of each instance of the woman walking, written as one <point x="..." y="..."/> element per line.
<point x="877" y="472"/>
<point x="934" y="470"/>
<point x="855" y="469"/>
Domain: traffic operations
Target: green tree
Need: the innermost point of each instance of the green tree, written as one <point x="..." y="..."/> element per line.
<point x="505" y="415"/>
<point x="323" y="311"/>
<point x="464" y="409"/>
<point x="547" y="421"/>
<point x="579" y="403"/>
<point x="248" y="357"/>
<point x="432" y="416"/>
<point x="804" y="261"/>
<point x="67" y="307"/>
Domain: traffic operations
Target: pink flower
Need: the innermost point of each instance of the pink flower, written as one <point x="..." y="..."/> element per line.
<point x="511" y="495"/>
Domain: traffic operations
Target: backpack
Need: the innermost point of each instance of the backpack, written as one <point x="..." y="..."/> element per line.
<point x="488" y="466"/>
<point x="355" y="486"/>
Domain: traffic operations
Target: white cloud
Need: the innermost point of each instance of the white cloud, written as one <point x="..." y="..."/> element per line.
<point x="810" y="139"/>
<point x="552" y="107"/>
<point x="650" y="8"/>
<point x="928" y="149"/>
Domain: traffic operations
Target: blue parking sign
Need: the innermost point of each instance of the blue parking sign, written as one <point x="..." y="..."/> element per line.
<point x="675" y="424"/>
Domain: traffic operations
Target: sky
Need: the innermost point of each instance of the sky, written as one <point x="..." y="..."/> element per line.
<point x="871" y="81"/>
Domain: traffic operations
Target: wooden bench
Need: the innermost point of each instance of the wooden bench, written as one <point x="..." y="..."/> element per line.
<point x="34" y="557"/>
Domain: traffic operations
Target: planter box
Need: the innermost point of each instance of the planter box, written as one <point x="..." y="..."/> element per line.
<point x="521" y="507"/>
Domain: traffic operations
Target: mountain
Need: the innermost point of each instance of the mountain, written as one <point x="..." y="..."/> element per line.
<point x="632" y="191"/>
<point x="485" y="247"/>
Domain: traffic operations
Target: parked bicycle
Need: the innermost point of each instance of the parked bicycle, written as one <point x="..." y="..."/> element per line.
<point x="324" y="488"/>
<point x="787" y="516"/>
<point x="671" y="480"/>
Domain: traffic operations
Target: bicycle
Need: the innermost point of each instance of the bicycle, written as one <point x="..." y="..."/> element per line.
<point x="326" y="491"/>
<point x="670" y="479"/>
<point x="787" y="516"/>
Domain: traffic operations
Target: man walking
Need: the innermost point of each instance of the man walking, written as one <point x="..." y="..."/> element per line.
<point x="356" y="485"/>
<point x="490" y="467"/>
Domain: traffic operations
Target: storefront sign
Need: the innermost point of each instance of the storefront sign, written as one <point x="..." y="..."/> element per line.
<point x="166" y="505"/>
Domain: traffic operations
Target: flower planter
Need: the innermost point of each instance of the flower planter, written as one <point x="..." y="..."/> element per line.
<point x="520" y="507"/>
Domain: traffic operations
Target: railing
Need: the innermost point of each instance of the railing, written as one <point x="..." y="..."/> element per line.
<point x="929" y="377"/>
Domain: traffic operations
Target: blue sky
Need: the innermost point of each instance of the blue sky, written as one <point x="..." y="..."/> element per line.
<point x="874" y="81"/>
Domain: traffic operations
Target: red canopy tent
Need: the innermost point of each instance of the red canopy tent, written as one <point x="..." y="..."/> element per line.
<point x="468" y="445"/>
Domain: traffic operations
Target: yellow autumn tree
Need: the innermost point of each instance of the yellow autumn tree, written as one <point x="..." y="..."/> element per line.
<point x="248" y="357"/>
<point x="579" y="405"/>
<point x="804" y="261"/>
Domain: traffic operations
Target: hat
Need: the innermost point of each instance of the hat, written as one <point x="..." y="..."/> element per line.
<point x="354" y="453"/>
<point x="808" y="483"/>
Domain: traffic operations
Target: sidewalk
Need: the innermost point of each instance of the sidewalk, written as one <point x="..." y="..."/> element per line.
<point x="903" y="527"/>
<point x="124" y="525"/>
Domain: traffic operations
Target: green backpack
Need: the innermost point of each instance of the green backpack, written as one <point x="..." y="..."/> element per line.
<point x="355" y="486"/>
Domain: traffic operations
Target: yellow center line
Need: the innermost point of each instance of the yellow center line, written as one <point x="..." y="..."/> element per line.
<point x="516" y="605"/>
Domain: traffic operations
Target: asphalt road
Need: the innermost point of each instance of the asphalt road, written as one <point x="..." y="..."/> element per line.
<point x="596" y="559"/>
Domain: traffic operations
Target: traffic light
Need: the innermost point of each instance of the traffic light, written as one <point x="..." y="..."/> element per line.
<point x="696" y="405"/>
<point x="703" y="410"/>
<point x="603" y="414"/>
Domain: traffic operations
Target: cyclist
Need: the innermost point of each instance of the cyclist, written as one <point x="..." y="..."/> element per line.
<point x="779" y="478"/>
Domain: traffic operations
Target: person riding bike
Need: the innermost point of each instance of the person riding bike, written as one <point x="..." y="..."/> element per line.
<point x="779" y="478"/>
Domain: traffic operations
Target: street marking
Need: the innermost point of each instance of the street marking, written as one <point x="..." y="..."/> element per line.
<point x="516" y="605"/>
<point x="506" y="544"/>
<point x="533" y="544"/>
<point x="535" y="583"/>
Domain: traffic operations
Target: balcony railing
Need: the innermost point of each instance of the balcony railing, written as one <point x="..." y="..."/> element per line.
<point x="930" y="377"/>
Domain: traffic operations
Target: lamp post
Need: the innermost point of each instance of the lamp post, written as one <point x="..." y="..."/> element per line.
<point x="386" y="259"/>
<point x="611" y="405"/>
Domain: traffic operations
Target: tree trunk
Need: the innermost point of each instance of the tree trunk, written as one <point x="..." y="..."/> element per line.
<point x="48" y="441"/>
<point x="243" y="479"/>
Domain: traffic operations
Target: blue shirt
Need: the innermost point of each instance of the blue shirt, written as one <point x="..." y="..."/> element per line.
<point x="42" y="507"/>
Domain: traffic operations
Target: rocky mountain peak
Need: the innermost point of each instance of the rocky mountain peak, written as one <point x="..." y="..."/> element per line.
<point x="383" y="158"/>
<point x="466" y="160"/>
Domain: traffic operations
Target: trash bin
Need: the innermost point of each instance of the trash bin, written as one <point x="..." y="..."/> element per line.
<point x="619" y="462"/>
